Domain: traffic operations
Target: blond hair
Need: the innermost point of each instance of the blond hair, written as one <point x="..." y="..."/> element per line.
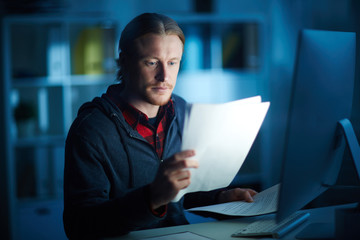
<point x="141" y="25"/>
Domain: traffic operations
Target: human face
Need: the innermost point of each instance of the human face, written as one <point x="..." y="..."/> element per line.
<point x="153" y="70"/>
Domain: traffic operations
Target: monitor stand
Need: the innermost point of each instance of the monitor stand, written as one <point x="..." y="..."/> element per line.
<point x="352" y="142"/>
<point x="346" y="219"/>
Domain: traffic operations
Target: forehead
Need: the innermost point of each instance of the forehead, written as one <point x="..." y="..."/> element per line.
<point x="155" y="44"/>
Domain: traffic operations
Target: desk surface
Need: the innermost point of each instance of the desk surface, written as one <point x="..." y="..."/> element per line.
<point x="222" y="230"/>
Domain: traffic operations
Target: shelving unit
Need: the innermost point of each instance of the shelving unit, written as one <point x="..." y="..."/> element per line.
<point x="236" y="39"/>
<point x="53" y="64"/>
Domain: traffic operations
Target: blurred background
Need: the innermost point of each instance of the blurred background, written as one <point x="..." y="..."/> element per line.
<point x="58" y="54"/>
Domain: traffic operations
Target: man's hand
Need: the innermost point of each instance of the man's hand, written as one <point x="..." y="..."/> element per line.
<point x="236" y="194"/>
<point x="172" y="176"/>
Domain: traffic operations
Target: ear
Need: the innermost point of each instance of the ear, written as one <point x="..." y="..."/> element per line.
<point x="124" y="63"/>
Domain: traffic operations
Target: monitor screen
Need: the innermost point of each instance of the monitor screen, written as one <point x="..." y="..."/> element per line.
<point x="322" y="94"/>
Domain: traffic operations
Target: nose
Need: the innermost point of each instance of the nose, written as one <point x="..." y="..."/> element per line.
<point x="162" y="74"/>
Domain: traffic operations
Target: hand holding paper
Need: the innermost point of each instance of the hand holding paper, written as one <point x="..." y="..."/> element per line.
<point x="221" y="135"/>
<point x="173" y="175"/>
<point x="264" y="202"/>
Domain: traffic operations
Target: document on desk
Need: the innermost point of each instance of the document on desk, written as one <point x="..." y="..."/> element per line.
<point x="179" y="236"/>
<point x="221" y="135"/>
<point x="264" y="202"/>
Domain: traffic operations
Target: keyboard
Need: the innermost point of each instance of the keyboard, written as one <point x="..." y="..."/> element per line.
<point x="267" y="226"/>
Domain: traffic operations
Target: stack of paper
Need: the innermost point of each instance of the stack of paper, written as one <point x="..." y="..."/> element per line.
<point x="221" y="135"/>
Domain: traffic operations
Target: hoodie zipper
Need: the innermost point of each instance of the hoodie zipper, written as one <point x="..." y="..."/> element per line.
<point x="116" y="118"/>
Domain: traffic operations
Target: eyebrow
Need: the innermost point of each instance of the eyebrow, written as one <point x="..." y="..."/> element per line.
<point x="152" y="57"/>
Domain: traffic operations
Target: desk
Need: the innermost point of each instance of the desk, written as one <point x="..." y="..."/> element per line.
<point x="222" y="230"/>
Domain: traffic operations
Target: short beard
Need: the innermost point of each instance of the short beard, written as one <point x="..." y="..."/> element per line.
<point x="156" y="101"/>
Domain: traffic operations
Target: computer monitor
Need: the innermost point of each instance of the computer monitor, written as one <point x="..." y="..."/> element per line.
<point x="322" y="95"/>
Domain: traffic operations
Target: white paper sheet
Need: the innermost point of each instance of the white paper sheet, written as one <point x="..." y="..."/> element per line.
<point x="179" y="236"/>
<point x="264" y="202"/>
<point x="221" y="135"/>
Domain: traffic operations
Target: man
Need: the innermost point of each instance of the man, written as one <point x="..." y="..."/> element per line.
<point x="123" y="163"/>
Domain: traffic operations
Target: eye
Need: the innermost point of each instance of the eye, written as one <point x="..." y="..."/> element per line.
<point x="151" y="63"/>
<point x="172" y="63"/>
